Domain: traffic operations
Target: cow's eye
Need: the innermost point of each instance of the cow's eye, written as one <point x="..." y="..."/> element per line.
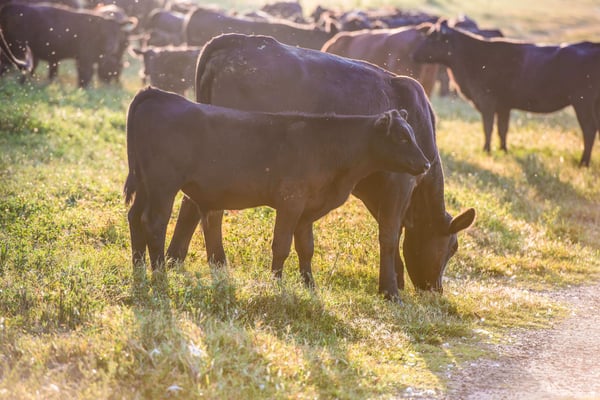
<point x="402" y="138"/>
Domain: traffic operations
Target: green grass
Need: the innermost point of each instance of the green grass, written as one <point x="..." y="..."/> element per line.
<point x="72" y="324"/>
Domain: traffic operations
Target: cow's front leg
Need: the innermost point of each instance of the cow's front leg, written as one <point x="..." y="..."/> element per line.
<point x="388" y="244"/>
<point x="213" y="236"/>
<point x="391" y="214"/>
<point x="305" y="247"/>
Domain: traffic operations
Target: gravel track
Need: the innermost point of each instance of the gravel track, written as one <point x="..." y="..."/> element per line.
<point x="562" y="362"/>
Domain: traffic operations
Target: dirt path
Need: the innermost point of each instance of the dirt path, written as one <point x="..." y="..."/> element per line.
<point x="559" y="363"/>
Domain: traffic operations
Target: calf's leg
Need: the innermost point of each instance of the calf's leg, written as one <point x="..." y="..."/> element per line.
<point x="187" y="221"/>
<point x="305" y="247"/>
<point x="285" y="225"/>
<point x="155" y="219"/>
<point x="136" y="230"/>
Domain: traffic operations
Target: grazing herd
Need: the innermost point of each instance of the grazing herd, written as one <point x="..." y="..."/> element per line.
<point x="297" y="113"/>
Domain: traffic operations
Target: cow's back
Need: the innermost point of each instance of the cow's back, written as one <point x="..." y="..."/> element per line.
<point x="232" y="69"/>
<point x="388" y="48"/>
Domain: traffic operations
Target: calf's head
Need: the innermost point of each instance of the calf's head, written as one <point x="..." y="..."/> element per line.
<point x="437" y="44"/>
<point x="429" y="243"/>
<point x="396" y="147"/>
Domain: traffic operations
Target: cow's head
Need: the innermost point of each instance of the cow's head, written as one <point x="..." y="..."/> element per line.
<point x="148" y="55"/>
<point x="437" y="44"/>
<point x="398" y="150"/>
<point x="113" y="39"/>
<point x="430" y="243"/>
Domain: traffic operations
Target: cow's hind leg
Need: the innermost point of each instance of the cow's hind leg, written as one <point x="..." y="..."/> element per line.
<point x="587" y="117"/>
<point x="187" y="221"/>
<point x="305" y="247"/>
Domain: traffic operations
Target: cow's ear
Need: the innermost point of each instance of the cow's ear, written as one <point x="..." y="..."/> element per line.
<point x="443" y="27"/>
<point x="384" y="122"/>
<point x="462" y="221"/>
<point x="403" y="113"/>
<point x="424" y="27"/>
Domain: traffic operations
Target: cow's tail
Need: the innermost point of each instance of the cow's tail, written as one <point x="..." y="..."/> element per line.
<point x="131" y="183"/>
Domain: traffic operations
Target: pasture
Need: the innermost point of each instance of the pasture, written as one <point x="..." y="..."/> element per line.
<point x="72" y="325"/>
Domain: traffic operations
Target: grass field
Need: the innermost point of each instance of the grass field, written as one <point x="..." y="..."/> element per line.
<point x="71" y="325"/>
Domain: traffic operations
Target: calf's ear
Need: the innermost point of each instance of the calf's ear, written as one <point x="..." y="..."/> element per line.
<point x="462" y="221"/>
<point x="384" y="122"/>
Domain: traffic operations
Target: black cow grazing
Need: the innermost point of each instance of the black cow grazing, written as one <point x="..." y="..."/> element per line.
<point x="55" y="33"/>
<point x="170" y="68"/>
<point x="259" y="73"/>
<point x="139" y="9"/>
<point x="228" y="159"/>
<point x="109" y="71"/>
<point x="203" y="24"/>
<point x="165" y="27"/>
<point x="498" y="75"/>
<point x="290" y="10"/>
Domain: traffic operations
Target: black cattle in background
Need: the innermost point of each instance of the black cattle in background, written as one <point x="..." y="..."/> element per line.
<point x="56" y="33"/>
<point x="169" y="68"/>
<point x="498" y="75"/>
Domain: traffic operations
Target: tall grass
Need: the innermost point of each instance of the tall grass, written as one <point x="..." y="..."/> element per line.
<point x="72" y="324"/>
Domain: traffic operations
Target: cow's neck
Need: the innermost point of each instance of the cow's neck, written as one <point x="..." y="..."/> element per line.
<point x="469" y="56"/>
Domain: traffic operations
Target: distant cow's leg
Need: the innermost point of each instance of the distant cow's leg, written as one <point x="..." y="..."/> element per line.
<point x="213" y="236"/>
<point x="85" y="71"/>
<point x="487" y="115"/>
<point x="187" y="221"/>
<point x="285" y="225"/>
<point x="52" y="70"/>
<point x="589" y="126"/>
<point x="305" y="247"/>
<point x="503" y="116"/>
